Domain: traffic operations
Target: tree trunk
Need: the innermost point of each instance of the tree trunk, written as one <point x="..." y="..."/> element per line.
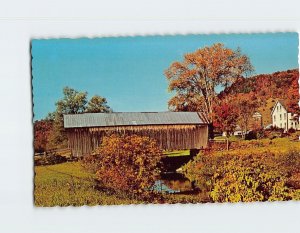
<point x="227" y="142"/>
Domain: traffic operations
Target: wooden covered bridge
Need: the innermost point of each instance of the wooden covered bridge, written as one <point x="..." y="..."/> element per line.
<point x="171" y="130"/>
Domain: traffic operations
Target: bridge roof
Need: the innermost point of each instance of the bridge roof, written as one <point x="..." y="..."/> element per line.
<point x="133" y="118"/>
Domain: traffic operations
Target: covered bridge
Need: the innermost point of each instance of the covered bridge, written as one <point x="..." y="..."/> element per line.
<point x="171" y="130"/>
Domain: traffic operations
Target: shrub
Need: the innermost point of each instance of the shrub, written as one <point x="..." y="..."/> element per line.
<point x="264" y="170"/>
<point x="273" y="132"/>
<point x="291" y="130"/>
<point x="42" y="130"/>
<point x="126" y="163"/>
<point x="251" y="135"/>
<point x="49" y="159"/>
<point x="248" y="184"/>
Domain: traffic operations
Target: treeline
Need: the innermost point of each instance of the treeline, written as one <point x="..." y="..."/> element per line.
<point x="279" y="85"/>
<point x="237" y="103"/>
<point x="274" y="85"/>
<point x="49" y="133"/>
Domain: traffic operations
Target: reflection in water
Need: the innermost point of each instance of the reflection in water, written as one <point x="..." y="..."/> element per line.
<point x="173" y="182"/>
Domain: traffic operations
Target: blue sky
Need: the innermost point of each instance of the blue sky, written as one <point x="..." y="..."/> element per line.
<point x="129" y="71"/>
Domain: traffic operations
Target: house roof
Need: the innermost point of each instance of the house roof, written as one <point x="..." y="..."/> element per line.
<point x="133" y="118"/>
<point x="282" y="102"/>
<point x="269" y="126"/>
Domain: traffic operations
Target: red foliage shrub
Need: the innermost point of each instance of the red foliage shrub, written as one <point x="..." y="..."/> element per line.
<point x="42" y="130"/>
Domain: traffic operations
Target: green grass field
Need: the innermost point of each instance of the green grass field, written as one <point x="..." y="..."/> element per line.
<point x="176" y="153"/>
<point x="69" y="184"/>
<point x="231" y="138"/>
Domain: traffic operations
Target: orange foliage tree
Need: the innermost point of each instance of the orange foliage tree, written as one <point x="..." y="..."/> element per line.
<point x="225" y="116"/>
<point x="293" y="96"/>
<point x="42" y="131"/>
<point x="279" y="85"/>
<point x="128" y="164"/>
<point x="195" y="78"/>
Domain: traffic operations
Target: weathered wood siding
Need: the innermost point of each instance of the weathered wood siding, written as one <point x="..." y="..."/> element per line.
<point x="83" y="141"/>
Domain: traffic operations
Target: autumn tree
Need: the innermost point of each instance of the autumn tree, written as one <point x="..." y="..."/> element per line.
<point x="293" y="96"/>
<point x="194" y="80"/>
<point x="233" y="110"/>
<point x="42" y="130"/>
<point x="225" y="117"/>
<point x="127" y="164"/>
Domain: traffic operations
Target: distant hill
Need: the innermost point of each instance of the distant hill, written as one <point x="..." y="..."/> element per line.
<point x="268" y="88"/>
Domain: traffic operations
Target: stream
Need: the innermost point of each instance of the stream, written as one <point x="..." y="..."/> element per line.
<point x="174" y="182"/>
<point x="170" y="180"/>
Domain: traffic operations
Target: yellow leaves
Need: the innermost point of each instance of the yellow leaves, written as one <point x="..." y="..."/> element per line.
<point x="259" y="171"/>
<point x="242" y="185"/>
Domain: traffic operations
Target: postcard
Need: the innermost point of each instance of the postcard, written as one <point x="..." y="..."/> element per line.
<point x="206" y="118"/>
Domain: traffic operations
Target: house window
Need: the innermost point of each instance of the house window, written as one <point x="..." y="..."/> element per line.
<point x="284" y="116"/>
<point x="277" y="108"/>
<point x="280" y="125"/>
<point x="274" y="118"/>
<point x="280" y="117"/>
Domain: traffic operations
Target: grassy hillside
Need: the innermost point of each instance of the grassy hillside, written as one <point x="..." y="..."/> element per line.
<point x="69" y="184"/>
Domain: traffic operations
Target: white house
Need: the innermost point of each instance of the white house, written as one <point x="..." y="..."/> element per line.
<point x="238" y="131"/>
<point x="282" y="118"/>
